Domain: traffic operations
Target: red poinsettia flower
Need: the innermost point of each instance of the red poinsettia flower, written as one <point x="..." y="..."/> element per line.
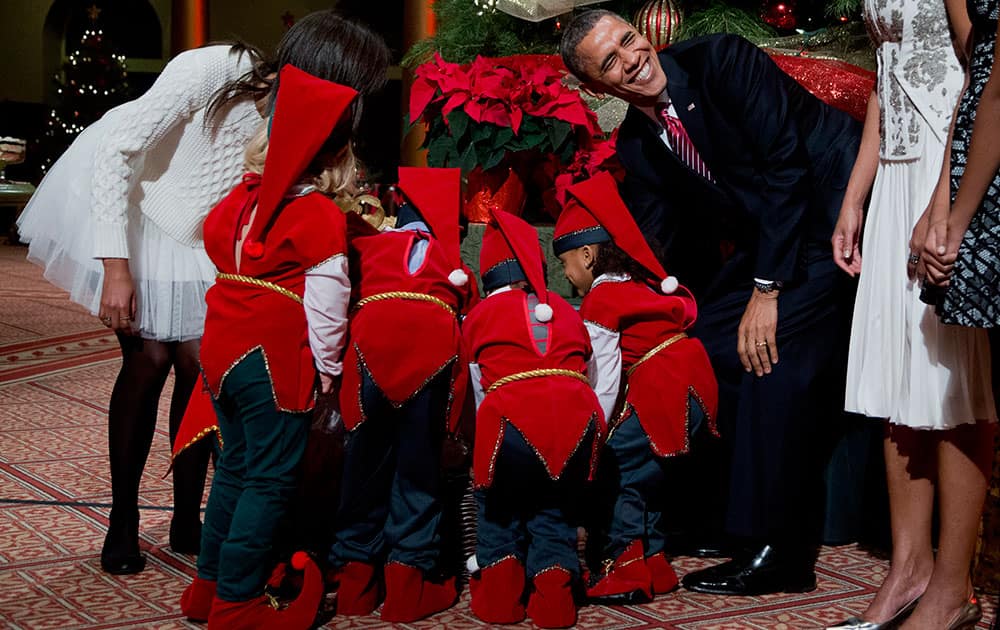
<point x="496" y="111"/>
<point x="588" y="161"/>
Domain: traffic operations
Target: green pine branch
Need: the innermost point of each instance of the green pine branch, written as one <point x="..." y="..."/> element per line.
<point x="720" y="17"/>
<point x="462" y="33"/>
<point x="836" y="8"/>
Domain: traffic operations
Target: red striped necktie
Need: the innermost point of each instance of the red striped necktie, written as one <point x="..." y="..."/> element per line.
<point x="682" y="144"/>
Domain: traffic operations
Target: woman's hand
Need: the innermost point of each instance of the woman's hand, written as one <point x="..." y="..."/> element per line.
<point x="941" y="250"/>
<point x="846" y="235"/>
<point x="916" y="268"/>
<point x="117" y="296"/>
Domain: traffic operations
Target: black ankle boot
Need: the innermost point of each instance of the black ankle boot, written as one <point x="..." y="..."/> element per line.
<point x="120" y="554"/>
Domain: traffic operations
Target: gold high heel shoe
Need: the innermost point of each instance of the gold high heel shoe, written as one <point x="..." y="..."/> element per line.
<point x="969" y="616"/>
<point x="857" y="623"/>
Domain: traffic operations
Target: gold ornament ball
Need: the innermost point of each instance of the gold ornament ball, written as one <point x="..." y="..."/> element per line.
<point x="659" y="21"/>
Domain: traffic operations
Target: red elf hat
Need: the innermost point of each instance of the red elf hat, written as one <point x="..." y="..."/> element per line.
<point x="436" y="193"/>
<point x="511" y="253"/>
<point x="595" y="213"/>
<point x="306" y="111"/>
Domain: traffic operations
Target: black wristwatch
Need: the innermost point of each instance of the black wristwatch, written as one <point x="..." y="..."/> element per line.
<point x="767" y="286"/>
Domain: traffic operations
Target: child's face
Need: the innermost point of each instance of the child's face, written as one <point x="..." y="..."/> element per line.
<point x="577" y="265"/>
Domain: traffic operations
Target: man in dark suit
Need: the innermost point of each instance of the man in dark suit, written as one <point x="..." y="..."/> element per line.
<point x="738" y="174"/>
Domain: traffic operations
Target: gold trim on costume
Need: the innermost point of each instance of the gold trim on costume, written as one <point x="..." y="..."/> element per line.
<point x="602" y="326"/>
<point x="198" y="437"/>
<point x="323" y="262"/>
<point x="545" y="464"/>
<point x="523" y="376"/>
<point x="363" y="365"/>
<point x="270" y="376"/>
<point x="405" y="295"/>
<point x="649" y="355"/>
<point x="552" y="567"/>
<point x="608" y="564"/>
<point x="257" y="282"/>
<point x="493" y="564"/>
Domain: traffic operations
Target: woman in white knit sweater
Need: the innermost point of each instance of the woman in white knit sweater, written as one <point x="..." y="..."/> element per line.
<point x="117" y="223"/>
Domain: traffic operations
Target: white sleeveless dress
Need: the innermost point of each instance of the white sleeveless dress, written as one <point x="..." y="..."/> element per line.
<point x="904" y="364"/>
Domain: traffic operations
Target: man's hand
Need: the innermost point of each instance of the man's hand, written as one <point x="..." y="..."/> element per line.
<point x="846" y="235"/>
<point x="755" y="341"/>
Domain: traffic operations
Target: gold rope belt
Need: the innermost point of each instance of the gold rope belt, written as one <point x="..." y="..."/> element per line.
<point x="649" y="355"/>
<point x="404" y="295"/>
<point x="257" y="282"/>
<point x="523" y="376"/>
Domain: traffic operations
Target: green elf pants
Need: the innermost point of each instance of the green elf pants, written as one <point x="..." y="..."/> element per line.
<point x="255" y="479"/>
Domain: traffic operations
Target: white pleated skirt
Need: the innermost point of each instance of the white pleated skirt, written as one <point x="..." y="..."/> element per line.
<point x="171" y="278"/>
<point x="904" y="364"/>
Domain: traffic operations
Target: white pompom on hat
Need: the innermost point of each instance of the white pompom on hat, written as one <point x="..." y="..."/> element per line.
<point x="458" y="277"/>
<point x="669" y="285"/>
<point x="436" y="194"/>
<point x="543" y="312"/>
<point x="520" y="240"/>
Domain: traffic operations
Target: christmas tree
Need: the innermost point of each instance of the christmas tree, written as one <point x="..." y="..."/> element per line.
<point x="92" y="80"/>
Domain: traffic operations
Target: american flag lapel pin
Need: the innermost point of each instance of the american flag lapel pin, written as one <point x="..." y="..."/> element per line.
<point x="691" y="107"/>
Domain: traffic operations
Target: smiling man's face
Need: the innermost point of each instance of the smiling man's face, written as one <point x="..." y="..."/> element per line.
<point x="621" y="62"/>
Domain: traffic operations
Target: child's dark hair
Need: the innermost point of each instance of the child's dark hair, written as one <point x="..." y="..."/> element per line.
<point x="324" y="45"/>
<point x="609" y="258"/>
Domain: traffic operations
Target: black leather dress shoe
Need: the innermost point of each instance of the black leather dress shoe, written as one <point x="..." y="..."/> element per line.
<point x="766" y="571"/>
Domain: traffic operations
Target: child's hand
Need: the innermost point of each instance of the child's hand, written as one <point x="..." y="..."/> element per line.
<point x="328" y="384"/>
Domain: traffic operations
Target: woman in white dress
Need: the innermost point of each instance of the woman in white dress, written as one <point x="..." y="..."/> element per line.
<point x="930" y="382"/>
<point x="117" y="223"/>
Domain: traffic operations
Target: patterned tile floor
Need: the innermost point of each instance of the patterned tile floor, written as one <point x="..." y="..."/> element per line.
<point x="56" y="370"/>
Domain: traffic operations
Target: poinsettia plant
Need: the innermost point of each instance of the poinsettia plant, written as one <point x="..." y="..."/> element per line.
<point x="587" y="162"/>
<point x="481" y="113"/>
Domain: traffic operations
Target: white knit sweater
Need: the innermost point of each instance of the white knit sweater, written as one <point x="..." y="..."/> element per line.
<point x="160" y="157"/>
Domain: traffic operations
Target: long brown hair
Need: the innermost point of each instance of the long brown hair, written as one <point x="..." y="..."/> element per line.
<point x="325" y="45"/>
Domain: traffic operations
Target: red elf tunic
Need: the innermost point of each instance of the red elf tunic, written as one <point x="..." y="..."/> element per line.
<point x="553" y="412"/>
<point x="661" y="365"/>
<point x="260" y="306"/>
<point x="404" y="326"/>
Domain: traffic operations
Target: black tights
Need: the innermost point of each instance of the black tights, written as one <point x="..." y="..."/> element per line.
<point x="132" y="422"/>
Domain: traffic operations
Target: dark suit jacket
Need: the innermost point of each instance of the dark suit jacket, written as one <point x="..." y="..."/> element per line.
<point x="780" y="158"/>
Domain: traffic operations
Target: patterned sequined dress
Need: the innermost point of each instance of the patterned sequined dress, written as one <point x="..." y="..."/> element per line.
<point x="973" y="298"/>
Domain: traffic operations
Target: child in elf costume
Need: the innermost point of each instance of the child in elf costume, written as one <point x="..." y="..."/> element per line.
<point x="538" y="430"/>
<point x="276" y="317"/>
<point x="402" y="389"/>
<point x="636" y="315"/>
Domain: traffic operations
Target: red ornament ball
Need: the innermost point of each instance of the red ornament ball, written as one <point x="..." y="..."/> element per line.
<point x="659" y="21"/>
<point x="780" y="14"/>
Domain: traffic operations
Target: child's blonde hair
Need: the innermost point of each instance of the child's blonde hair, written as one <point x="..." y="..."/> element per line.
<point x="331" y="173"/>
